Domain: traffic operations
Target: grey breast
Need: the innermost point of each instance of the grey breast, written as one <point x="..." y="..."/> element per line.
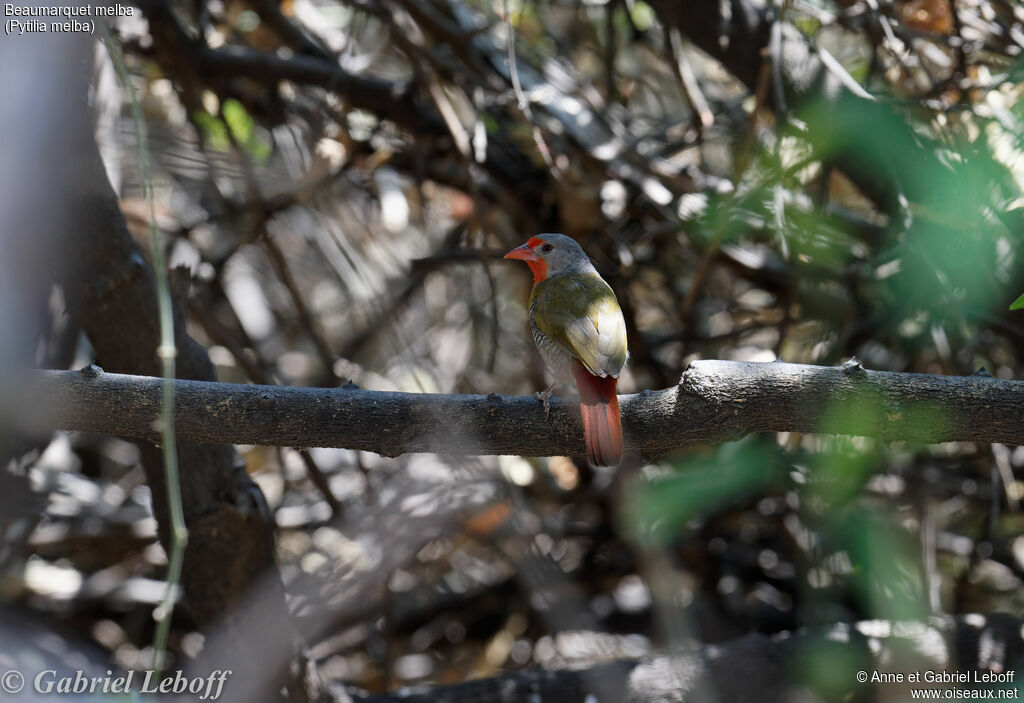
<point x="555" y="356"/>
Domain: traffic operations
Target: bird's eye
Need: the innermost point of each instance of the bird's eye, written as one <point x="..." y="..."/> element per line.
<point x="546" y="248"/>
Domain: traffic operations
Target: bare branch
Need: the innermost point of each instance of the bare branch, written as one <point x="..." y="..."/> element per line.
<point x="715" y="401"/>
<point x="381" y="96"/>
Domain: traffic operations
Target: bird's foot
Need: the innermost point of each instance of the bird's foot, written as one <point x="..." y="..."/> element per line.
<point x="544" y="397"/>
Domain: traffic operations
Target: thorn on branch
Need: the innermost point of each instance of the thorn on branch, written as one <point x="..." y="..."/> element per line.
<point x="983" y="372"/>
<point x="350" y="385"/>
<point x="494" y="402"/>
<point x="852" y="367"/>
<point x="90" y="371"/>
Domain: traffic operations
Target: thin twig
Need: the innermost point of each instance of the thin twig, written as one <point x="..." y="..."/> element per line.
<point x="167" y="352"/>
<point x="521" y="99"/>
<point x="688" y="81"/>
<point x="742" y="162"/>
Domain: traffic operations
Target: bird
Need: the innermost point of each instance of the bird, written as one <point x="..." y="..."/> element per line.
<point x="578" y="327"/>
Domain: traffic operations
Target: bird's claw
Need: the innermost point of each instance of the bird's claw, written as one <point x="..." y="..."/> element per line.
<point x="545" y="397"/>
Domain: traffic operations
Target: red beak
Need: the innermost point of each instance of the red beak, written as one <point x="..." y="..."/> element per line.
<point x="524" y="252"/>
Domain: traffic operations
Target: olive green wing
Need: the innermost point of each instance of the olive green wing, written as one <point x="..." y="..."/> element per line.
<point x="579" y="311"/>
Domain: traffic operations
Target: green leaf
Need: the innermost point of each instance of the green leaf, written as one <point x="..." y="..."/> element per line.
<point x="1018" y="303"/>
<point x="703" y="485"/>
<point x="808" y="26"/>
<point x="237" y="124"/>
<point x="215" y="132"/>
<point x="238" y="120"/>
<point x="642" y="15"/>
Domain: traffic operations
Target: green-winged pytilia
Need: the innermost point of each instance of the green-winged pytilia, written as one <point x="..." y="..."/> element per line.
<point x="578" y="326"/>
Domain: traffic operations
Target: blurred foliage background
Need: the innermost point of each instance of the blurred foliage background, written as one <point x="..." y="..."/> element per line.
<point x="809" y="180"/>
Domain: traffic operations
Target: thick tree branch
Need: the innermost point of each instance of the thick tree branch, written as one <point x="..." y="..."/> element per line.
<point x="715" y="401"/>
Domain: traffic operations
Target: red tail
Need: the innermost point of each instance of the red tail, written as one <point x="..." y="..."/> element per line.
<point x="602" y="428"/>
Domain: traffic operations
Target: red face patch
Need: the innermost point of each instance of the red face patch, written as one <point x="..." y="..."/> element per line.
<point x="539" y="269"/>
<point x="526" y="252"/>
